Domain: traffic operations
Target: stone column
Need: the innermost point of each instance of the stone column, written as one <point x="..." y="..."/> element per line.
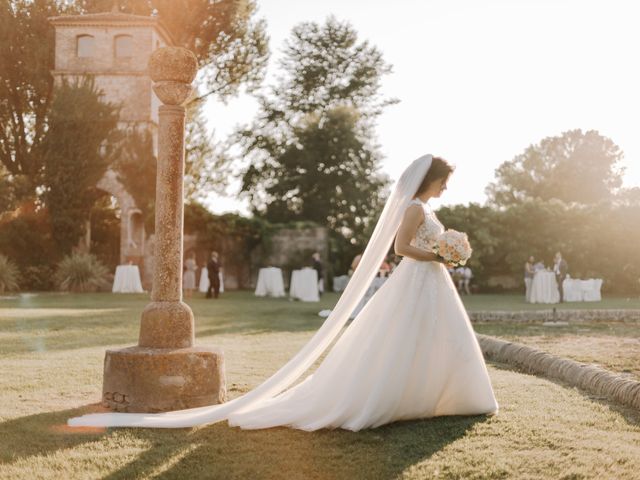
<point x="166" y="371"/>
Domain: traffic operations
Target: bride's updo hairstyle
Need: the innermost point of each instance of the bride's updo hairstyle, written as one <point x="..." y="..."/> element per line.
<point x="439" y="169"/>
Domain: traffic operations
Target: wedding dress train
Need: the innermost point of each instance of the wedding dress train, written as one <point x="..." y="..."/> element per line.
<point x="410" y="353"/>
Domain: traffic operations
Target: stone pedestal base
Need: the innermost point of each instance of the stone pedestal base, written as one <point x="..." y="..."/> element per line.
<point x="138" y="379"/>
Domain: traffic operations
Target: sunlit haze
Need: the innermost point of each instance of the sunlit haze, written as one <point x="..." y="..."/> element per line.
<point x="479" y="81"/>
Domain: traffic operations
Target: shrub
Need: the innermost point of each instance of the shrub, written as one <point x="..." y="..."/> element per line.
<point x="81" y="273"/>
<point x="38" y="278"/>
<point x="8" y="274"/>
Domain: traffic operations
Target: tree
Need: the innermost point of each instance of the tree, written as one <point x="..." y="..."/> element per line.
<point x="311" y="148"/>
<point x="573" y="167"/>
<point x="230" y="44"/>
<point x="206" y="162"/>
<point x="26" y="85"/>
<point x="76" y="155"/>
<point x="136" y="168"/>
<point x="326" y="174"/>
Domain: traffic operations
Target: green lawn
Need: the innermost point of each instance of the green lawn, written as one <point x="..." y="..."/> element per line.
<point x="52" y="348"/>
<point x="514" y="302"/>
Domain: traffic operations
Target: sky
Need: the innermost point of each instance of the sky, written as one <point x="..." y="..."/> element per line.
<point x="478" y="81"/>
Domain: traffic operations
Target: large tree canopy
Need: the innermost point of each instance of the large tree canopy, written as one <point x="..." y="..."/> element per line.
<point x="26" y="85"/>
<point x="76" y="155"/>
<point x="312" y="149"/>
<point x="573" y="167"/>
<point x="230" y="43"/>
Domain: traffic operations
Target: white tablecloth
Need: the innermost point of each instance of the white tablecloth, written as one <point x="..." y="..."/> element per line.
<point x="270" y="282"/>
<point x="340" y="283"/>
<point x="576" y="290"/>
<point x="544" y="288"/>
<point x="304" y="285"/>
<point x="127" y="280"/>
<point x="204" y="281"/>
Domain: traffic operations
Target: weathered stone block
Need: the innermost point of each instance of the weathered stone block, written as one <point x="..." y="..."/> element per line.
<point x="138" y="379"/>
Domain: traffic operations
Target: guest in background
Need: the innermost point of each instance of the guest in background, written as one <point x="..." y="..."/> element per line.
<point x="317" y="265"/>
<point x="189" y="277"/>
<point x="560" y="268"/>
<point x="213" y="270"/>
<point x="467" y="275"/>
<point x="394" y="262"/>
<point x="459" y="278"/>
<point x="529" y="272"/>
<point x="355" y="262"/>
<point x="384" y="270"/>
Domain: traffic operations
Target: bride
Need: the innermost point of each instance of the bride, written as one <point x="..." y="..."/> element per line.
<point x="410" y="353"/>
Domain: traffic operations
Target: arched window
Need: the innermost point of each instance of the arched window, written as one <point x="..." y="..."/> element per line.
<point x="123" y="46"/>
<point x="85" y="45"/>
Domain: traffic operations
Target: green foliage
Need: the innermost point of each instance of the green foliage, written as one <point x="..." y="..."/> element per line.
<point x="312" y="149"/>
<point x="80" y="126"/>
<point x="326" y="175"/>
<point x="596" y="240"/>
<point x="206" y="162"/>
<point x="39" y="278"/>
<point x="26" y="84"/>
<point x="136" y="167"/>
<point x="27" y="237"/>
<point x="326" y="66"/>
<point x="230" y="44"/>
<point x="573" y="167"/>
<point x="8" y="274"/>
<point x="105" y="232"/>
<point x="81" y="273"/>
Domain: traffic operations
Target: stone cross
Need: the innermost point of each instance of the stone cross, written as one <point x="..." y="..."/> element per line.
<point x="166" y="371"/>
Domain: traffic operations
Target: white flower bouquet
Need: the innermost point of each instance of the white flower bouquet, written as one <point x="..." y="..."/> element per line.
<point x="454" y="247"/>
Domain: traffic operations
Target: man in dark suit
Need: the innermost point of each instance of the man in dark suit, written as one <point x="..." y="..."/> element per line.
<point x="560" y="268"/>
<point x="317" y="264"/>
<point x="213" y="271"/>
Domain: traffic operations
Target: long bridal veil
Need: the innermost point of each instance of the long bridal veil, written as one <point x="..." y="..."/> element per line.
<point x="377" y="248"/>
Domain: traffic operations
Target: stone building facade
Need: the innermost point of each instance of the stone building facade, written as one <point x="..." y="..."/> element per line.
<point x="114" y="49"/>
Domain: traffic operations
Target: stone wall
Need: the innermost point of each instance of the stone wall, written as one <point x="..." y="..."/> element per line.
<point x="291" y="249"/>
<point x="573" y="316"/>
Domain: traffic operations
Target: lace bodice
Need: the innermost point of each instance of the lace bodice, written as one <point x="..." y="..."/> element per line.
<point x="429" y="230"/>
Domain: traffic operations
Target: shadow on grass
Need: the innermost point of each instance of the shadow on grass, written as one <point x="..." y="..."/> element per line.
<point x="44" y="433"/>
<point x="218" y="451"/>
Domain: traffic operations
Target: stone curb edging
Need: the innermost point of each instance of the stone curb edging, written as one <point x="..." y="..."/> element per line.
<point x="590" y="378"/>
<point x="596" y="315"/>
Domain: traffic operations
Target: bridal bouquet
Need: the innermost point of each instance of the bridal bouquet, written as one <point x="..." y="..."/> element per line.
<point x="454" y="247"/>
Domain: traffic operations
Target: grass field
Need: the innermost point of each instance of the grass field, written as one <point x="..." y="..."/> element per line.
<point x="52" y="348"/>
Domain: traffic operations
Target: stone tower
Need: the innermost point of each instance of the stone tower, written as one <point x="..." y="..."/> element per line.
<point x="114" y="48"/>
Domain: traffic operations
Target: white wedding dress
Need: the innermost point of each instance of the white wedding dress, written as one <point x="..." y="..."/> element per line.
<point x="410" y="353"/>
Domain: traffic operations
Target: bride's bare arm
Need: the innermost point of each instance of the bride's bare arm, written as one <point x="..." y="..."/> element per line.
<point x="413" y="216"/>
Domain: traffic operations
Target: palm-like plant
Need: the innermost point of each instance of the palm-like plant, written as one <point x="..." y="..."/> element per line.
<point x="8" y="274"/>
<point x="81" y="272"/>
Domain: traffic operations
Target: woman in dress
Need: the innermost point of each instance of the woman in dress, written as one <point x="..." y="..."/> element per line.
<point x="528" y="276"/>
<point x="189" y="277"/>
<point x="410" y="353"/>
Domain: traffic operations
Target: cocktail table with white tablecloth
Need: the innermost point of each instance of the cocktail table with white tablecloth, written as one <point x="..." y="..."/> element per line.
<point x="304" y="285"/>
<point x="544" y="288"/>
<point x="576" y="290"/>
<point x="340" y="283"/>
<point x="204" y="281"/>
<point x="270" y="282"/>
<point x="127" y="280"/>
